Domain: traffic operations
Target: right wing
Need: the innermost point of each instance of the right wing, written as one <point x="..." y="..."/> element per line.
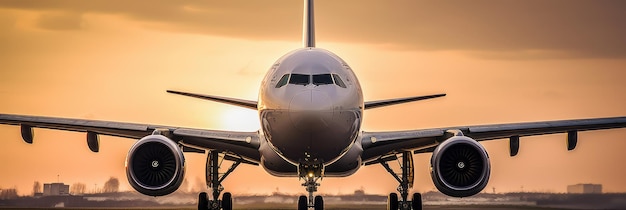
<point x="379" y="144"/>
<point x="245" y="144"/>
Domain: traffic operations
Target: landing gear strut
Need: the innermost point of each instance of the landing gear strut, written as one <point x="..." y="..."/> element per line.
<point x="214" y="181"/>
<point x="311" y="173"/>
<point x="406" y="182"/>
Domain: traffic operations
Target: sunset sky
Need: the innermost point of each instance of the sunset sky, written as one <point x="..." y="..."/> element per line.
<point x="498" y="61"/>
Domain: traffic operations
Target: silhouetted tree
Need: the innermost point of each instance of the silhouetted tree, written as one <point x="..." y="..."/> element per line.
<point x="36" y="187"/>
<point x="8" y="194"/>
<point x="78" y="189"/>
<point x="111" y="186"/>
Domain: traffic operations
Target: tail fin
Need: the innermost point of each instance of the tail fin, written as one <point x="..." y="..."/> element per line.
<point x="308" y="24"/>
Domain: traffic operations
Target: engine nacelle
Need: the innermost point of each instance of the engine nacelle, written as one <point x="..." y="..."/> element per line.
<point x="460" y="167"/>
<point x="155" y="166"/>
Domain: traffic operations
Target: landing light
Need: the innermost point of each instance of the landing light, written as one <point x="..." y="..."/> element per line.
<point x="311" y="174"/>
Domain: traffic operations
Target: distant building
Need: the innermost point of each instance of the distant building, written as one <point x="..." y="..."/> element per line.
<point x="56" y="189"/>
<point x="359" y="192"/>
<point x="584" y="189"/>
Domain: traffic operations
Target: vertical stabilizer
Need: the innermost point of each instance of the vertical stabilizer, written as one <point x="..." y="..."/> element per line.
<point x="308" y="24"/>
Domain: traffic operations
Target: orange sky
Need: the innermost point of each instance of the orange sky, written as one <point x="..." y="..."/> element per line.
<point x="497" y="61"/>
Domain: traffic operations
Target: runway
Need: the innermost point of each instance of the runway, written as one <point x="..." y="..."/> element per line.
<point x="383" y="207"/>
<point x="328" y="207"/>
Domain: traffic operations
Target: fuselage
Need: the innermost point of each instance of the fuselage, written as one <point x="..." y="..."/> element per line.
<point x="310" y="107"/>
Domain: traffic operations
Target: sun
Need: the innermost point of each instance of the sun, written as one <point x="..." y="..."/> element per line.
<point x="240" y="119"/>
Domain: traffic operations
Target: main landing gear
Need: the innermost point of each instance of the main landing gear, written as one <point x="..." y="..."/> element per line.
<point x="311" y="174"/>
<point x="406" y="182"/>
<point x="214" y="181"/>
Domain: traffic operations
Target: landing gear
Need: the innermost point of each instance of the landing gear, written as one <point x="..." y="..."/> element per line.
<point x="392" y="201"/>
<point x="316" y="202"/>
<point x="406" y="182"/>
<point x="319" y="203"/>
<point x="214" y="181"/>
<point x="303" y="204"/>
<point x="416" y="204"/>
<point x="203" y="201"/>
<point x="227" y="201"/>
<point x="311" y="172"/>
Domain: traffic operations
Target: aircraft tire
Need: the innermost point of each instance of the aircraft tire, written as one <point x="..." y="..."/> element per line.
<point x="319" y="203"/>
<point x="203" y="201"/>
<point x="392" y="201"/>
<point x="416" y="204"/>
<point x="303" y="203"/>
<point x="227" y="201"/>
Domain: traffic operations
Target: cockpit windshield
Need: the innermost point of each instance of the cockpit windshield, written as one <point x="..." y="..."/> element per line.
<point x="300" y="79"/>
<point x="283" y="81"/>
<point x="338" y="81"/>
<point x="322" y="79"/>
<point x="305" y="79"/>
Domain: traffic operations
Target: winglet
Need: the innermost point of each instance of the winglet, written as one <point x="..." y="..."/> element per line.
<point x="308" y="22"/>
<point x="232" y="101"/>
<point x="381" y="103"/>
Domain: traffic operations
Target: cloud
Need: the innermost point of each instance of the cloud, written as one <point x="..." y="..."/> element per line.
<point x="497" y="29"/>
<point x="60" y="21"/>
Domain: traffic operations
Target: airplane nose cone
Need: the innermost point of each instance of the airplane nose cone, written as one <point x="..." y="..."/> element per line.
<point x="310" y="110"/>
<point x="310" y="100"/>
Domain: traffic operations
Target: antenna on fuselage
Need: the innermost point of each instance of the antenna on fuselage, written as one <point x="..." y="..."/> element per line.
<point x="308" y="24"/>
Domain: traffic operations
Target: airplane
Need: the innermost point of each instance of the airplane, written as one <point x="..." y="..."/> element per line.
<point x="310" y="107"/>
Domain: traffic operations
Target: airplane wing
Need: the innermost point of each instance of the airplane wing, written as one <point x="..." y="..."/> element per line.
<point x="379" y="144"/>
<point x="245" y="144"/>
<point x="232" y="101"/>
<point x="389" y="102"/>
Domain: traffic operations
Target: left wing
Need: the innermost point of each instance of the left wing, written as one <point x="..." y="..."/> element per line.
<point x="379" y="144"/>
<point x="245" y="144"/>
<point x="389" y="102"/>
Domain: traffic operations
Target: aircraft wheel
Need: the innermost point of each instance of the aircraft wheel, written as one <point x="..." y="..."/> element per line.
<point x="416" y="204"/>
<point x="227" y="201"/>
<point x="392" y="201"/>
<point x="303" y="203"/>
<point x="319" y="203"/>
<point x="203" y="201"/>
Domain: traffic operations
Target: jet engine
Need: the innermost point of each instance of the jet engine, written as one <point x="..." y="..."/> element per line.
<point x="155" y="166"/>
<point x="460" y="167"/>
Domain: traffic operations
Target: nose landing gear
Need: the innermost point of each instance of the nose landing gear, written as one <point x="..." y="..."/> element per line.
<point x="311" y="173"/>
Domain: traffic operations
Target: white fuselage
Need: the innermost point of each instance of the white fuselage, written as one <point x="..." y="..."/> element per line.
<point x="310" y="107"/>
